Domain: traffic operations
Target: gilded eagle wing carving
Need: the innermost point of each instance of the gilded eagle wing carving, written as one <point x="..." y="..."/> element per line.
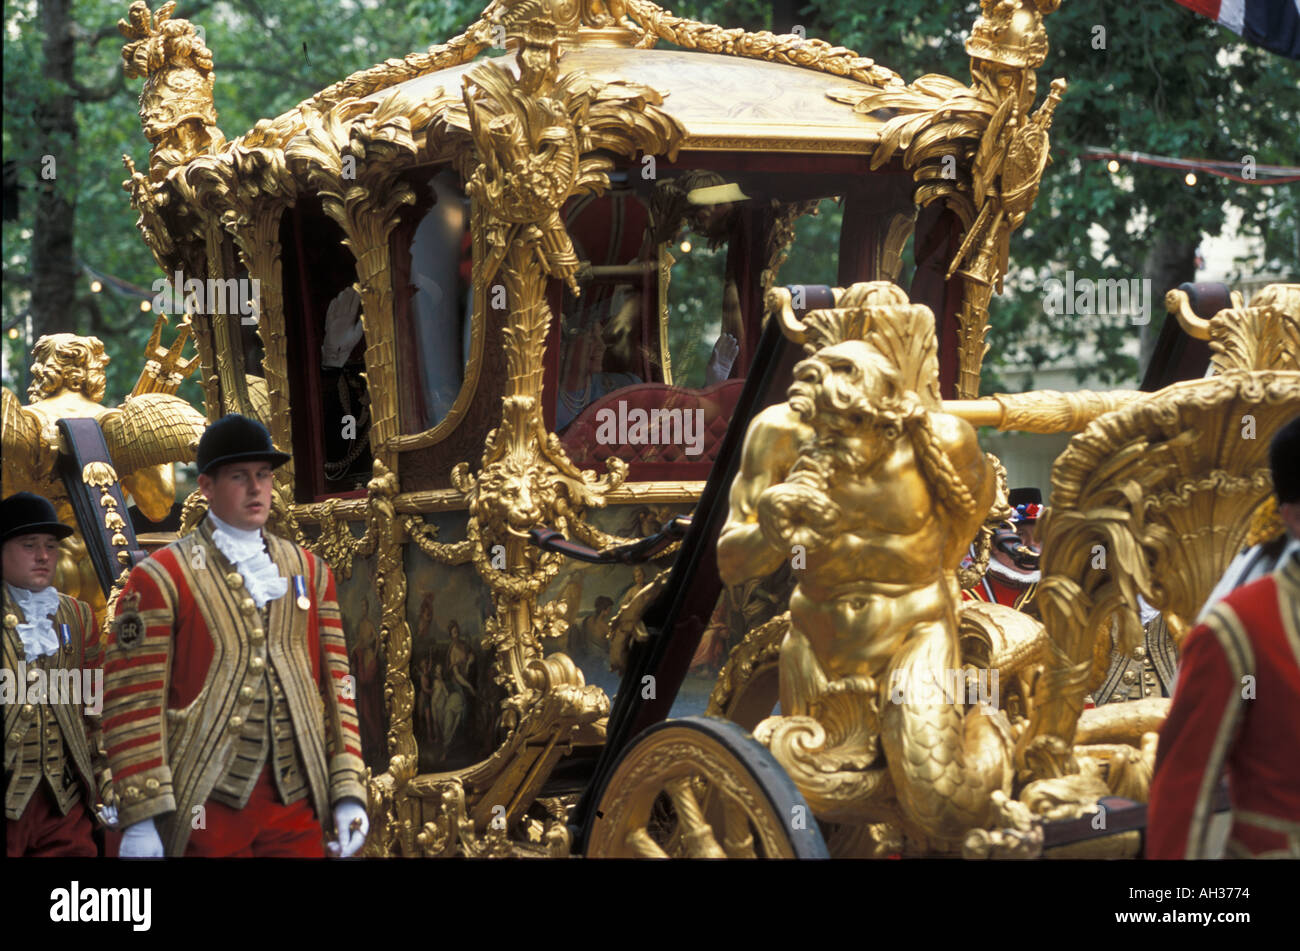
<point x="22" y="428"/>
<point x="152" y="429"/>
<point x="25" y="456"/>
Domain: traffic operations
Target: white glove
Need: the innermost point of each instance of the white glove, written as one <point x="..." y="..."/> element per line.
<point x="108" y="815"/>
<point x="350" y="840"/>
<point x="141" y="841"/>
<point x="724" y="355"/>
<point x="342" y="328"/>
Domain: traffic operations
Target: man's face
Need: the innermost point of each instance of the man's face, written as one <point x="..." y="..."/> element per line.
<point x="1290" y="514"/>
<point x="240" y="493"/>
<point x="29" y="560"/>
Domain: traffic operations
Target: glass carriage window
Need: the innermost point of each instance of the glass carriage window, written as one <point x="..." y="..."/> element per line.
<point x="433" y="300"/>
<point x="329" y="398"/>
<point x="652" y="353"/>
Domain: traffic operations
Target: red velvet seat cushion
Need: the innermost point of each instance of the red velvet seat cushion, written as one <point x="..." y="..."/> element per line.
<point x="718" y="403"/>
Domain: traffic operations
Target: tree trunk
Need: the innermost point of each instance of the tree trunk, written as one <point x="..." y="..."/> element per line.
<point x="1170" y="261"/>
<point x="54" y="262"/>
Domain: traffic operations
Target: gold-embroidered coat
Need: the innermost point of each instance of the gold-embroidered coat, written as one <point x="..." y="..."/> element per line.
<point x="187" y="655"/>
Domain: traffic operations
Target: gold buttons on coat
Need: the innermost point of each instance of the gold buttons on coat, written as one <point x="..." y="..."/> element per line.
<point x="234" y="580"/>
<point x="256" y="634"/>
<point x="27" y="712"/>
<point x="247" y="606"/>
<point x="1130" y="677"/>
<point x="236" y="722"/>
<point x="151" y="784"/>
<point x="11" y="620"/>
<point x="246" y="693"/>
<point x="256" y="663"/>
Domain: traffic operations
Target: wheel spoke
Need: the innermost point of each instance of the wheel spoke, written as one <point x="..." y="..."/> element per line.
<point x="738" y="840"/>
<point x="643" y="846"/>
<point x="697" y="836"/>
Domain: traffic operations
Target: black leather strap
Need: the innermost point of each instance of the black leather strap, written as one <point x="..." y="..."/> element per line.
<point x="111" y="549"/>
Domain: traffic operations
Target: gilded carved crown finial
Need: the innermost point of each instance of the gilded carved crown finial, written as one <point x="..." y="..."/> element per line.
<point x="1011" y="32"/>
<point x="176" y="106"/>
<point x="581" y="21"/>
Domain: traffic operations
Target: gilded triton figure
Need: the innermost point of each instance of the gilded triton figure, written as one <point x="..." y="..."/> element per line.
<point x="873" y="494"/>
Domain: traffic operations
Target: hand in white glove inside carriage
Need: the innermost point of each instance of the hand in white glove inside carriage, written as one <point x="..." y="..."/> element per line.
<point x="724" y="355"/>
<point x="351" y="825"/>
<point x="342" y="328"/>
<point x="141" y="841"/>
<point x="108" y="815"/>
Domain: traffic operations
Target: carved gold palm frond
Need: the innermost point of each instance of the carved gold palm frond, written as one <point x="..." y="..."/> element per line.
<point x="152" y="429"/>
<point x="904" y="333"/>
<point x="1152" y="499"/>
<point x="1263" y="336"/>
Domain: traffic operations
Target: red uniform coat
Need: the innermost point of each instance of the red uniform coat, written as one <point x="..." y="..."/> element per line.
<point x="185" y="652"/>
<point x="1236" y="709"/>
<point x="994" y="590"/>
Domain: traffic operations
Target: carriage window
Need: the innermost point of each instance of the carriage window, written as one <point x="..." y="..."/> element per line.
<point x="329" y="397"/>
<point x="434" y="301"/>
<point x="653" y="351"/>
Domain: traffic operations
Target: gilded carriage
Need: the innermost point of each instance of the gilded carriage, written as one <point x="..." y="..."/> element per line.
<point x="564" y="234"/>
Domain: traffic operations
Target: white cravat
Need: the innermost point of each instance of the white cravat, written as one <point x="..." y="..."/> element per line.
<point x="38" y="635"/>
<point x="247" y="552"/>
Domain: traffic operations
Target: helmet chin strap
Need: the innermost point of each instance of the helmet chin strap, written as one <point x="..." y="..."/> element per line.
<point x="1009" y="544"/>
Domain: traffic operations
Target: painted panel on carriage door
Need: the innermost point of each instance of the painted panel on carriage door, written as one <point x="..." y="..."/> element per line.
<point x="456" y="702"/>
<point x="594" y="593"/>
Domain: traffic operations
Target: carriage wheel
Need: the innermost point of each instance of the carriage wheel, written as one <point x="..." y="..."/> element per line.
<point x="701" y="787"/>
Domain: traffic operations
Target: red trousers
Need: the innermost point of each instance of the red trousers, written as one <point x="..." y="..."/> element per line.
<point x="45" y="832"/>
<point x="264" y="828"/>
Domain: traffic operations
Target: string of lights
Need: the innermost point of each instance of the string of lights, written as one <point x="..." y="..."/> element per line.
<point x="101" y="281"/>
<point x="1245" y="170"/>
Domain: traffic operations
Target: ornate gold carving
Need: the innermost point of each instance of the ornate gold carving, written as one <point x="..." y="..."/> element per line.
<point x="176" y="107"/>
<point x="682" y="794"/>
<point x="350" y="155"/>
<point x="803" y="488"/>
<point x="257" y="187"/>
<point x="165" y="369"/>
<point x="1263" y="336"/>
<point x="145" y="435"/>
<point x="978" y="149"/>
<point x="760" y="647"/>
<point x="1162" y="486"/>
<point x="1162" y="492"/>
<point x="1041" y="411"/>
<point x="789" y="48"/>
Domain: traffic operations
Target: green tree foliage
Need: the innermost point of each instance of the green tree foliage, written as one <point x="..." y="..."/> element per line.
<point x="1150" y="77"/>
